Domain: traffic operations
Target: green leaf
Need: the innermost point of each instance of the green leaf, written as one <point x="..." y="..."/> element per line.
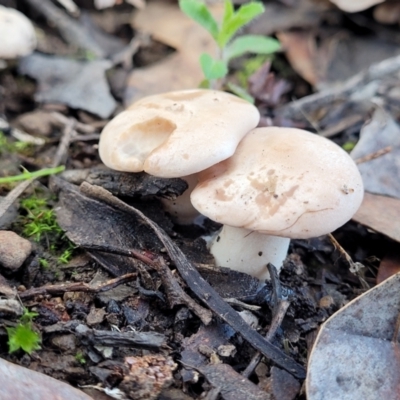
<point x="213" y="69"/>
<point x="245" y="14"/>
<point x="23" y="337"/>
<point x="228" y="10"/>
<point x="199" y="12"/>
<point x="251" y="44"/>
<point x="240" y="92"/>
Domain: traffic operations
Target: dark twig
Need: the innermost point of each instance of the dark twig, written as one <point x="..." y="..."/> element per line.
<point x="280" y="306"/>
<point x="77" y="287"/>
<point x="296" y="109"/>
<point x="176" y="295"/>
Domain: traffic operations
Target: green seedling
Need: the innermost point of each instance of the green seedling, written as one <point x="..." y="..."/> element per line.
<point x="23" y="336"/>
<point x="38" y="221"/>
<point x="80" y="358"/>
<point x="66" y="255"/>
<point x="12" y="147"/>
<point x="30" y="175"/>
<point x="215" y="69"/>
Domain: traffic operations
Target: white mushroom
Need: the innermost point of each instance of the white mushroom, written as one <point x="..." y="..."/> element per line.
<point x="17" y="34"/>
<point x="355" y="5"/>
<point x="281" y="183"/>
<point x="177" y="134"/>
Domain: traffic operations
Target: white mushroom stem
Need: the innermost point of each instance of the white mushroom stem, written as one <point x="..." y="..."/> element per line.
<point x="248" y="251"/>
<point x="181" y="209"/>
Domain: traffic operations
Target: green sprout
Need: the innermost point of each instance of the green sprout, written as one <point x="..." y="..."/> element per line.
<point x="23" y="336"/>
<point x="80" y="358"/>
<point x="38" y="221"/>
<point x="12" y="147"/>
<point x="230" y="47"/>
<point x="30" y="175"/>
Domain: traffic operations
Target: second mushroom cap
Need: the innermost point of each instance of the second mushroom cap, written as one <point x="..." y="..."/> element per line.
<point x="283" y="182"/>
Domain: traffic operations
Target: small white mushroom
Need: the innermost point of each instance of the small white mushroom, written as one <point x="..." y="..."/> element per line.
<point x="17" y="35"/>
<point x="177" y="134"/>
<point x="281" y="183"/>
<point x="355" y="5"/>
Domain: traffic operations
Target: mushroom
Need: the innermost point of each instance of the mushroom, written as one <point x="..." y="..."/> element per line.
<point x="176" y="135"/>
<point x="355" y="5"/>
<point x="17" y="34"/>
<point x="281" y="183"/>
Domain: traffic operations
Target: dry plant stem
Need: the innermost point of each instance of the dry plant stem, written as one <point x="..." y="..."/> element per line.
<point x="77" y="287"/>
<point x="176" y="295"/>
<point x="200" y="287"/>
<point x="6" y="203"/>
<point x="62" y="150"/>
<point x="79" y="126"/>
<point x="372" y="156"/>
<point x="296" y="109"/>
<point x="280" y="306"/>
<point x="354" y="267"/>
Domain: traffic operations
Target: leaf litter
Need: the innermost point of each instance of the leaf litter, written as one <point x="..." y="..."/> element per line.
<point x="176" y="307"/>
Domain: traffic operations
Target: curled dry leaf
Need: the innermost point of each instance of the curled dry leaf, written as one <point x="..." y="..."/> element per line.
<point x="354" y="357"/>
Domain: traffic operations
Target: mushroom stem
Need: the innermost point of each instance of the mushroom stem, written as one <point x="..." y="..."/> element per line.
<point x="248" y="251"/>
<point x="181" y="209"/>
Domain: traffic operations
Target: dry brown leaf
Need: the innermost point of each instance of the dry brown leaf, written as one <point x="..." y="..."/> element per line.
<point x="390" y="265"/>
<point x="181" y="70"/>
<point x="381" y="214"/>
<point x="387" y="13"/>
<point x="301" y="51"/>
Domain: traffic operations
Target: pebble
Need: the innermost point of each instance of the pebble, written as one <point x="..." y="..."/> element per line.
<point x="14" y="250"/>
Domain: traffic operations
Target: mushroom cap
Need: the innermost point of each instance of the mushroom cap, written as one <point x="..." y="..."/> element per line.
<point x="283" y="182"/>
<point x="17" y="34"/>
<point x="177" y="133"/>
<point x="355" y="5"/>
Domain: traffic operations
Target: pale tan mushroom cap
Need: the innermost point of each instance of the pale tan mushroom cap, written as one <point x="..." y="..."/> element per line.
<point x="282" y="182"/>
<point x="355" y="5"/>
<point x="17" y="35"/>
<point x="178" y="133"/>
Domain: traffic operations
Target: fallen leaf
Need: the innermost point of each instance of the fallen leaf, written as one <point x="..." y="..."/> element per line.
<point x="381" y="214"/>
<point x="387" y="13"/>
<point x="22" y="383"/>
<point x="301" y="51"/>
<point x="390" y="265"/>
<point x="78" y="84"/>
<point x="354" y="357"/>
<point x="380" y="175"/>
<point x="180" y="70"/>
<point x="231" y="384"/>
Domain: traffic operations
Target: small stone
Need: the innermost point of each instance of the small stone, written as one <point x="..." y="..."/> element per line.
<point x="14" y="250"/>
<point x="66" y="343"/>
<point x="228" y="350"/>
<point x="326" y="302"/>
<point x="96" y="316"/>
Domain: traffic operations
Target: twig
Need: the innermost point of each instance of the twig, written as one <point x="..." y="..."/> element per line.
<point x="77" y="287"/>
<point x="6" y="203"/>
<point x="280" y="306"/>
<point x="354" y="266"/>
<point x="62" y="150"/>
<point x="200" y="287"/>
<point x="176" y="295"/>
<point x="372" y="156"/>
<point x="297" y="108"/>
